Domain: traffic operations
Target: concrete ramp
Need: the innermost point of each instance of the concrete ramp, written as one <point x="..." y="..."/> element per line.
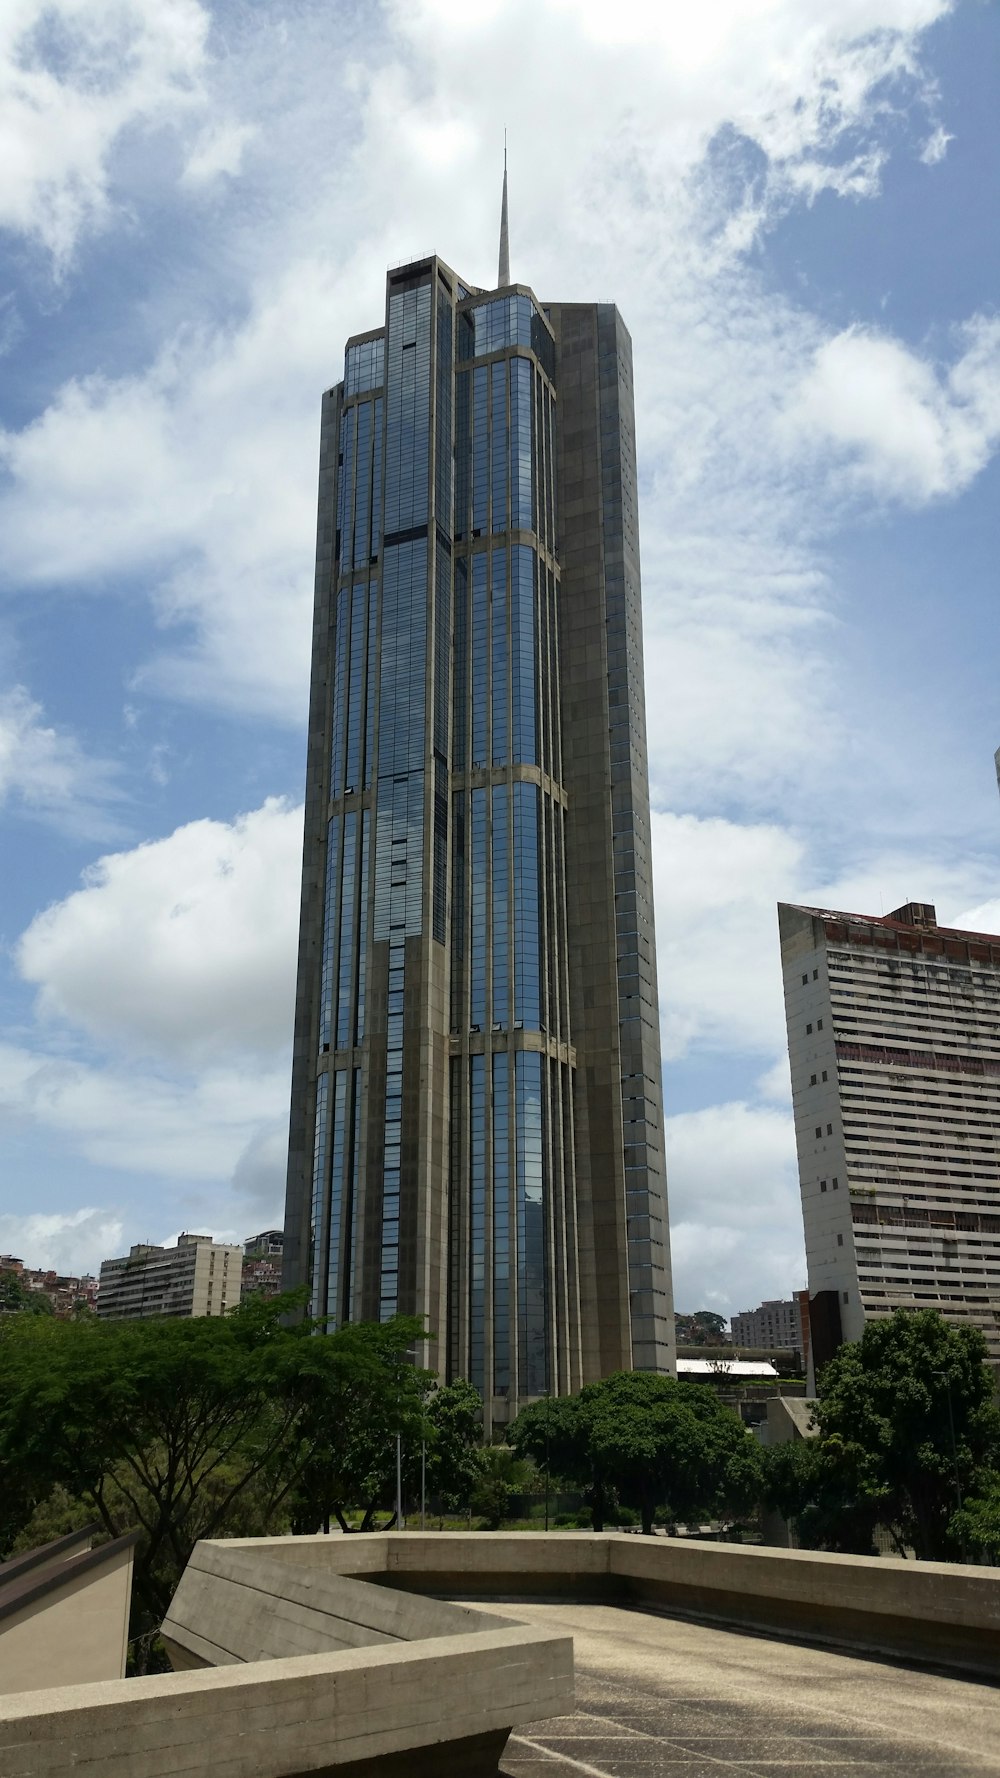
<point x="235" y="1603"/>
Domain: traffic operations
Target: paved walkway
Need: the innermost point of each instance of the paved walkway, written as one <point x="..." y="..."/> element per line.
<point x="657" y="1695"/>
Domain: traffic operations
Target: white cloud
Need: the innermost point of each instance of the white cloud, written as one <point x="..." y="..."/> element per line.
<point x="197" y="474"/>
<point x="184" y="947"/>
<point x="219" y="150"/>
<point x="905" y="427"/>
<point x="182" y="1128"/>
<point x="718" y="962"/>
<point x="735" y="1216"/>
<point x="936" y="146"/>
<point x="75" y="77"/>
<point x="72" y="1242"/>
<point x="46" y="773"/>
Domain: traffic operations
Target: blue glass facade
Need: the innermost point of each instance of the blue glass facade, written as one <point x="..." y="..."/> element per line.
<point x="437" y="1081"/>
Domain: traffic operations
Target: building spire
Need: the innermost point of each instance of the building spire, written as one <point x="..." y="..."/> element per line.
<point x="503" y="274"/>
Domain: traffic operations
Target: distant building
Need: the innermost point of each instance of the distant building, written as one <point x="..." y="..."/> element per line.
<point x="199" y="1276"/>
<point x="268" y="1242"/>
<point x="894" y="1041"/>
<point x="262" y="1263"/>
<point x="773" y="1324"/>
<point x="66" y="1294"/>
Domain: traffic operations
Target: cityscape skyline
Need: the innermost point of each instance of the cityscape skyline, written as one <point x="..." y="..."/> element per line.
<point x="811" y="297"/>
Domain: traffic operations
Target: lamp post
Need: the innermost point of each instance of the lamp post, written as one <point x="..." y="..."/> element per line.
<point x="400" y="1525"/>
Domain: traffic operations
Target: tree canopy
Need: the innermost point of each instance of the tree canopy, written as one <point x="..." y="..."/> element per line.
<point x="650" y="1443"/>
<point x="907" y="1431"/>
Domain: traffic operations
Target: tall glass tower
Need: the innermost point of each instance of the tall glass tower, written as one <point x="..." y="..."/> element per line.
<point x="477" y="1126"/>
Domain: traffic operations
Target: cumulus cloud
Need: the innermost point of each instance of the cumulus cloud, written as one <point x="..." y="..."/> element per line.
<point x="183" y="947"/>
<point x="936" y="146"/>
<point x="718" y="961"/>
<point x="904" y="426"/>
<point x="197" y="472"/>
<point x="735" y="1217"/>
<point x="75" y="76"/>
<point x="46" y="773"/>
<point x="72" y="1242"/>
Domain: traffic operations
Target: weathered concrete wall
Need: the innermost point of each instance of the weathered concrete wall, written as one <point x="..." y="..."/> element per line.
<point x="429" y="1709"/>
<point x="944" y="1613"/>
<point x="239" y="1605"/>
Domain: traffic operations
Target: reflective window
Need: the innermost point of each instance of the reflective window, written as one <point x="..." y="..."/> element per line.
<point x="363" y="488"/>
<point x="480" y="449"/>
<point x="318" y="1195"/>
<point x="330" y="928"/>
<point x="501" y="940"/>
<point x="477" y="948"/>
<point x="364" y="366"/>
<point x="338" y="1158"/>
<point x="524" y="654"/>
<point x="477" y="1222"/>
<point x="443" y="454"/>
<point x="533" y="1368"/>
<point x="480" y="661"/>
<point x="345" y="995"/>
<point x="527" y="1008"/>
<point x="460" y="667"/>
<point x="359" y="1029"/>
<point x="501" y="1226"/>
<point x="407" y="431"/>
<point x="498" y="446"/>
<point x="522" y="513"/>
<point x="500" y="738"/>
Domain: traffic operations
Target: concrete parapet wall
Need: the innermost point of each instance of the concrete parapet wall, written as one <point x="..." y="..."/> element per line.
<point x="417" y="1709"/>
<point x="947" y="1614"/>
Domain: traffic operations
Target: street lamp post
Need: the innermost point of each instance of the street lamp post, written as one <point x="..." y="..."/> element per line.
<point x="400" y="1525"/>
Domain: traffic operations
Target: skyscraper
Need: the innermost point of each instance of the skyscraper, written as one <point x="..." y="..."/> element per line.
<point x="477" y="1127"/>
<point x="894" y="1043"/>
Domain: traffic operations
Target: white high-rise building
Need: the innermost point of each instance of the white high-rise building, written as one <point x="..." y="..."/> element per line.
<point x="894" y="1043"/>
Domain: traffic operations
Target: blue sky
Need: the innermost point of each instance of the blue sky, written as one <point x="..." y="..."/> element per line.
<point x="795" y="209"/>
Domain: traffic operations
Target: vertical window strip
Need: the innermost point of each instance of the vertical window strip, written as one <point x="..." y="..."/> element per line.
<point x="345" y="997"/>
<point x="523" y="625"/>
<point x="498" y="446"/>
<point x="500" y="677"/>
<point x="459" y="951"/>
<point x="521" y="514"/>
<point x="356" y="688"/>
<point x="463" y="389"/>
<point x="480" y="662"/>
<point x="480" y="450"/>
<point x="375" y="536"/>
<point x="460" y="667"/>
<point x="533" y="1369"/>
<point x="337" y="717"/>
<point x="407" y="437"/>
<point x="444" y="458"/>
<point x="477" y="948"/>
<point x="362" y="931"/>
<point x="318" y="1196"/>
<point x="477" y="1223"/>
<point x="333" y="833"/>
<point x="363" y="482"/>
<point x="371" y="667"/>
<point x="501" y="1226"/>
<point x="527" y="1008"/>
<point x="500" y="906"/>
<point x="345" y="486"/>
<point x="457" y="1280"/>
<point x="439" y="904"/>
<point x="442" y="646"/>
<point x="338" y="1151"/>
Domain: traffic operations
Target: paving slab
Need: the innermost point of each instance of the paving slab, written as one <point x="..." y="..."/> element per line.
<point x="665" y="1696"/>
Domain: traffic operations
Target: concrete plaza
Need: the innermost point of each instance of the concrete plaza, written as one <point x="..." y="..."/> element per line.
<point x="658" y="1695"/>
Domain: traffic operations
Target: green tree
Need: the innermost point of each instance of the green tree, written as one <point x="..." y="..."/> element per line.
<point x="650" y="1443"/>
<point x="454" y="1434"/>
<point x="977" y="1526"/>
<point x="17" y="1298"/>
<point x="196" y="1428"/>
<point x="502" y="1476"/>
<point x="907" y="1428"/>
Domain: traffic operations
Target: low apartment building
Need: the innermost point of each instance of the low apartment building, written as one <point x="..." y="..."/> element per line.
<point x="200" y="1276"/>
